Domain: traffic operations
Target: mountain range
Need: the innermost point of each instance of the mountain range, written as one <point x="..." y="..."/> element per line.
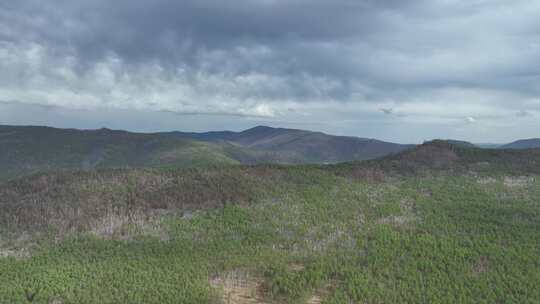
<point x="26" y="150"/>
<point x="301" y="145"/>
<point x="30" y="149"/>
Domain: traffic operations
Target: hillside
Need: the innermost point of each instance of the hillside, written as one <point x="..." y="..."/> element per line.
<point x="195" y="188"/>
<point x="306" y="146"/>
<point x="441" y="154"/>
<point x="25" y="150"/>
<point x="523" y="144"/>
<point x="446" y="156"/>
<point x="443" y="158"/>
<point x="438" y="223"/>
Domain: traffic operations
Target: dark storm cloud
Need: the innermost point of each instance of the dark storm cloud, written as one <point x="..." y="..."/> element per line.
<point x="437" y="62"/>
<point x="344" y="39"/>
<point x="270" y="36"/>
<point x="137" y="28"/>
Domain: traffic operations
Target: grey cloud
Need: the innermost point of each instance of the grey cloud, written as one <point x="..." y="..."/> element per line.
<point x="439" y="62"/>
<point x="381" y="43"/>
<point x="100" y="25"/>
<point x="523" y="113"/>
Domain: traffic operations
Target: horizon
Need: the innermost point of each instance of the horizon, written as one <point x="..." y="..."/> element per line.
<point x="398" y="71"/>
<point x="264" y="126"/>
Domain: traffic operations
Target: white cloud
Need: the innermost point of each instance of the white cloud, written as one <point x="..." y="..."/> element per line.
<point x="470" y="119"/>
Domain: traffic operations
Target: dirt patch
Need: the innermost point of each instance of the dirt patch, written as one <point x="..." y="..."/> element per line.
<point x="397" y="220"/>
<point x="14" y="253"/>
<point x="315" y="299"/>
<point x="18" y="248"/>
<point x="320" y="294"/>
<point x="239" y="287"/>
<point x="296" y="267"/>
<point x="486" y="180"/>
<point x="518" y="182"/>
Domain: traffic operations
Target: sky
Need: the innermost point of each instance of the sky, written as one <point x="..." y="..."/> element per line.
<point x="398" y="70"/>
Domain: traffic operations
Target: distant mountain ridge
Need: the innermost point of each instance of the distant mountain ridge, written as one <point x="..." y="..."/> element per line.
<point x="30" y="149"/>
<point x="532" y="143"/>
<point x="311" y="147"/>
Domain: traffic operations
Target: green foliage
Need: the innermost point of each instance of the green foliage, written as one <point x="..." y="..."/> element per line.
<point x="301" y="230"/>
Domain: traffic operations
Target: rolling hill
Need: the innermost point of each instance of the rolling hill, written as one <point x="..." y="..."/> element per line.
<point x="523" y="144"/>
<point x="306" y="146"/>
<point x="30" y="149"/>
<point x="25" y="150"/>
<point x="448" y="156"/>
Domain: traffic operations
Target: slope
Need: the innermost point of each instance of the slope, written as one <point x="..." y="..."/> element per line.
<point x="447" y="157"/>
<point x="25" y="150"/>
<point x="523" y="144"/>
<point x="302" y="146"/>
<point x="276" y="234"/>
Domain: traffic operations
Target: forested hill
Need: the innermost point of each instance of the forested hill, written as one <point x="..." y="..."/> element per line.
<point x="31" y="149"/>
<point x="310" y="147"/>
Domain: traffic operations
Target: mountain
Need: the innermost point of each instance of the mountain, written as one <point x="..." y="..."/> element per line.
<point x="28" y="149"/>
<point x="306" y="146"/>
<point x="446" y="155"/>
<point x="523" y="144"/>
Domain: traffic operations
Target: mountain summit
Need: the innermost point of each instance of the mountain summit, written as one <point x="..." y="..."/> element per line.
<point x="301" y="145"/>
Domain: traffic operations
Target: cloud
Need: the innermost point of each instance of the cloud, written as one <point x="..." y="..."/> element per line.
<point x="287" y="61"/>
<point x="470" y="119"/>
<point x="523" y="113"/>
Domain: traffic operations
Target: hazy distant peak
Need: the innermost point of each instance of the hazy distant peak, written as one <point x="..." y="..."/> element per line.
<point x="531" y="143"/>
